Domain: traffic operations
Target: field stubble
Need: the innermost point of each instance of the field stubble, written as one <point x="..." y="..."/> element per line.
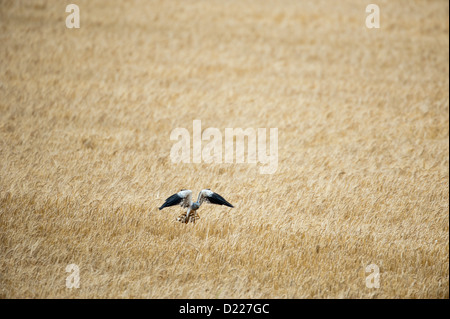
<point x="363" y="177"/>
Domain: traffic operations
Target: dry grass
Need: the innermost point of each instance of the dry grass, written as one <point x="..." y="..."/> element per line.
<point x="363" y="175"/>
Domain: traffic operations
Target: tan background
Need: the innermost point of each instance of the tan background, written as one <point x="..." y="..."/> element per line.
<point x="363" y="175"/>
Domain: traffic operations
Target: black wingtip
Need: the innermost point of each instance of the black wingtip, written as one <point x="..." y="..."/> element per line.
<point x="219" y="200"/>
<point x="226" y="203"/>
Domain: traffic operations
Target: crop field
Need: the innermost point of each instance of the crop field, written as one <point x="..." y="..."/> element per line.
<point x="357" y="207"/>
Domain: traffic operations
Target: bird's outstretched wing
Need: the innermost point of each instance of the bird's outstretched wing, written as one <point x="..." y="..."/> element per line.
<point x="183" y="197"/>
<point x="209" y="196"/>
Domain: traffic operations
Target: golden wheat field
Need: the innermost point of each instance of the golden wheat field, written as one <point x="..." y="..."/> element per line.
<point x="363" y="156"/>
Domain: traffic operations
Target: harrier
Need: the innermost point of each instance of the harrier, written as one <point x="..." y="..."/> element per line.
<point x="184" y="199"/>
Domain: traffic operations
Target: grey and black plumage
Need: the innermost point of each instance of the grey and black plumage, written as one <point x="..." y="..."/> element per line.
<point x="184" y="199"/>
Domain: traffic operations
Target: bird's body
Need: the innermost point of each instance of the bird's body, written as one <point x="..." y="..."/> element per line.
<point x="184" y="199"/>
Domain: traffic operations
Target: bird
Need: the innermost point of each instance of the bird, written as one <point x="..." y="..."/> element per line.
<point x="184" y="199"/>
